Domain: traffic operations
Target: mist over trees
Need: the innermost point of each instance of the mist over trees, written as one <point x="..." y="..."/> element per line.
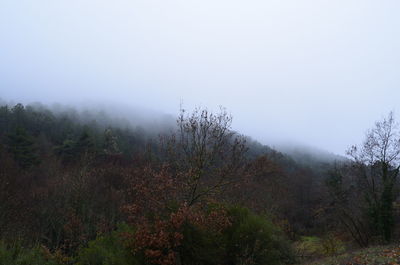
<point x="82" y="187"/>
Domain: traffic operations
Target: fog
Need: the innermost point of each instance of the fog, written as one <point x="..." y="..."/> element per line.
<point x="317" y="73"/>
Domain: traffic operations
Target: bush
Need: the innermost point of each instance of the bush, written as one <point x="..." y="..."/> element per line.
<point x="107" y="250"/>
<point x="200" y="246"/>
<point x="253" y="239"/>
<point x="332" y="245"/>
<point x="212" y="236"/>
<point x="18" y="255"/>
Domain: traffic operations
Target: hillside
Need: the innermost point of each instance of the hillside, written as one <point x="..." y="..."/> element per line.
<point x="78" y="186"/>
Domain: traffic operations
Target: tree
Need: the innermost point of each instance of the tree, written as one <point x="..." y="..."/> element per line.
<point x="346" y="204"/>
<point x="74" y="150"/>
<point x="85" y="145"/>
<point x="205" y="151"/>
<point x="5" y="117"/>
<point x="110" y="146"/>
<point x="377" y="162"/>
<point x="22" y="147"/>
<point x="66" y="150"/>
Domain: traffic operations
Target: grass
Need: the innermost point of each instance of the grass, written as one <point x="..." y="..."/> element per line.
<point x="378" y="255"/>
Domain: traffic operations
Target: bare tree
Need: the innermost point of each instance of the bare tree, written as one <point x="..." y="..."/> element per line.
<point x="346" y="206"/>
<point x="205" y="151"/>
<point x="377" y="163"/>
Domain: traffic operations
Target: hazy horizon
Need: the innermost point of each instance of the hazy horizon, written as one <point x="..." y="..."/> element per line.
<point x="318" y="73"/>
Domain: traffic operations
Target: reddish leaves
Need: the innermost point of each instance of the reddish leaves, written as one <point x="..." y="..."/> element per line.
<point x="159" y="238"/>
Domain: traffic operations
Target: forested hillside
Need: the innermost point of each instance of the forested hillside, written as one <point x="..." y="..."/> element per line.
<point x="79" y="190"/>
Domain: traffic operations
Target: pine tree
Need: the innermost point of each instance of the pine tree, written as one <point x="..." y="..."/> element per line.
<point x="110" y="143"/>
<point x="21" y="145"/>
<point x="67" y="151"/>
<point x="85" y="145"/>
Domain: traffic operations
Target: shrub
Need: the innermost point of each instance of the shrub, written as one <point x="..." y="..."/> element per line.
<point x="253" y="239"/>
<point x="107" y="250"/>
<point x="18" y="255"/>
<point x="201" y="246"/>
<point x="212" y="236"/>
<point x="332" y="245"/>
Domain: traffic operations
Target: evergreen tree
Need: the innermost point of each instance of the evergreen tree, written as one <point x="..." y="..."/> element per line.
<point x="67" y="151"/>
<point x="85" y="145"/>
<point x="21" y="145"/>
<point x="110" y="143"/>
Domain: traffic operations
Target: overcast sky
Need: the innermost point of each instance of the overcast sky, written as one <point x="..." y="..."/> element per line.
<point x="319" y="72"/>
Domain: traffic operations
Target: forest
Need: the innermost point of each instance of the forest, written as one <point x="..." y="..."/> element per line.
<point x="77" y="188"/>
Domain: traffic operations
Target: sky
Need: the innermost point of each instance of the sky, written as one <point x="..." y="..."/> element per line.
<point x="316" y="72"/>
